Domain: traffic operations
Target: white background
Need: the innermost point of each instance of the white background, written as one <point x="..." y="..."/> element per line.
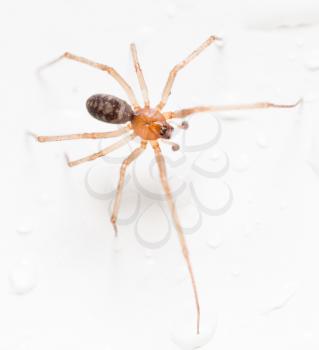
<point x="64" y="282"/>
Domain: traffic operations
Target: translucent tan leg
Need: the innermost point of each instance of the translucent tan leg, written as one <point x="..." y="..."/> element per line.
<point x="103" y="152"/>
<point x="179" y="66"/>
<point x="93" y="135"/>
<point x="120" y="185"/>
<point x="182" y="113"/>
<point x="140" y="76"/>
<point x="100" y="66"/>
<point x="163" y="176"/>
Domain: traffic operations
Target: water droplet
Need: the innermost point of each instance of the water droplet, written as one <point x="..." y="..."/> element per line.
<point x="182" y="273"/>
<point x="299" y="42"/>
<point x="171" y="9"/>
<point x="308" y="334"/>
<point x="216" y="154"/>
<point x="45" y="198"/>
<point x="311" y="61"/>
<point x="262" y="141"/>
<point x="117" y="244"/>
<point x="25" y="226"/>
<point x="144" y="32"/>
<point x="311" y="97"/>
<point x="292" y="57"/>
<point x="148" y="253"/>
<point x="235" y="271"/>
<point x="23" y="278"/>
<point x="283" y="205"/>
<point x="215" y="240"/>
<point x="152" y="228"/>
<point x="187" y="339"/>
<point x="248" y="230"/>
<point x="242" y="163"/>
<point x="282" y="298"/>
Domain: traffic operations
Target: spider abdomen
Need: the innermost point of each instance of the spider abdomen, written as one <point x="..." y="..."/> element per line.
<point x="109" y="109"/>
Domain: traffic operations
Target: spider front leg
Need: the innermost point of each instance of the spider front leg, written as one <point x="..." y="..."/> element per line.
<point x="179" y="66"/>
<point x="163" y="176"/>
<point x="182" y="113"/>
<point x="111" y="71"/>
<point x="131" y="158"/>
<point x="140" y="76"/>
<point x="93" y="135"/>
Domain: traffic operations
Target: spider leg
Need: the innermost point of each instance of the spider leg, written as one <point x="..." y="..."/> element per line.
<point x="131" y="158"/>
<point x="182" y="113"/>
<point x="103" y="67"/>
<point x="179" y="66"/>
<point x="103" y="152"/>
<point x="140" y="75"/>
<point x="163" y="176"/>
<point x="93" y="135"/>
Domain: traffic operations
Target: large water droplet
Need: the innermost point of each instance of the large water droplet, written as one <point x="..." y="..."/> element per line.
<point x="281" y="298"/>
<point x="152" y="228"/>
<point x="23" y="278"/>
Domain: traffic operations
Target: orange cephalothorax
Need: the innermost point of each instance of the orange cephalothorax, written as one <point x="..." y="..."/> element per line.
<point x="150" y="124"/>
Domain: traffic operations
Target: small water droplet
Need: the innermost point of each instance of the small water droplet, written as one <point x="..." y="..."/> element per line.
<point x="45" y="198"/>
<point x="283" y="205"/>
<point x="311" y="61"/>
<point x="171" y="9"/>
<point x="235" y="271"/>
<point x="25" y="226"/>
<point x="144" y="32"/>
<point x="182" y="273"/>
<point x="248" y="230"/>
<point x="216" y="155"/>
<point x="23" y="278"/>
<point x="292" y="57"/>
<point x="187" y="339"/>
<point x="148" y="254"/>
<point x="117" y="244"/>
<point x="308" y="334"/>
<point x="262" y="141"/>
<point x="299" y="42"/>
<point x="242" y="163"/>
<point x="215" y="240"/>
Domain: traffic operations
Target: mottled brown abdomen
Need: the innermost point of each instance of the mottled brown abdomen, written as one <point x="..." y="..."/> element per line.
<point x="109" y="109"/>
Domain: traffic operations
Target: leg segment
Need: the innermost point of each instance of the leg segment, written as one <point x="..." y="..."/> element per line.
<point x="182" y="113"/>
<point x="179" y="66"/>
<point x="120" y="185"/>
<point x="103" y="152"/>
<point x="100" y="66"/>
<point x="140" y="75"/>
<point x="93" y="135"/>
<point x="163" y="176"/>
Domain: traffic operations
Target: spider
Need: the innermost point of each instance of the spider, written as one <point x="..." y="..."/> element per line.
<point x="151" y="124"/>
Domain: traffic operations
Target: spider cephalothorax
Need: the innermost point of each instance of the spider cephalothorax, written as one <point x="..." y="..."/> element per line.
<point x="150" y="124"/>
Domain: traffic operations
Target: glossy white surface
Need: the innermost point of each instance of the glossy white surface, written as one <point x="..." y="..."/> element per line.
<point x="64" y="282"/>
